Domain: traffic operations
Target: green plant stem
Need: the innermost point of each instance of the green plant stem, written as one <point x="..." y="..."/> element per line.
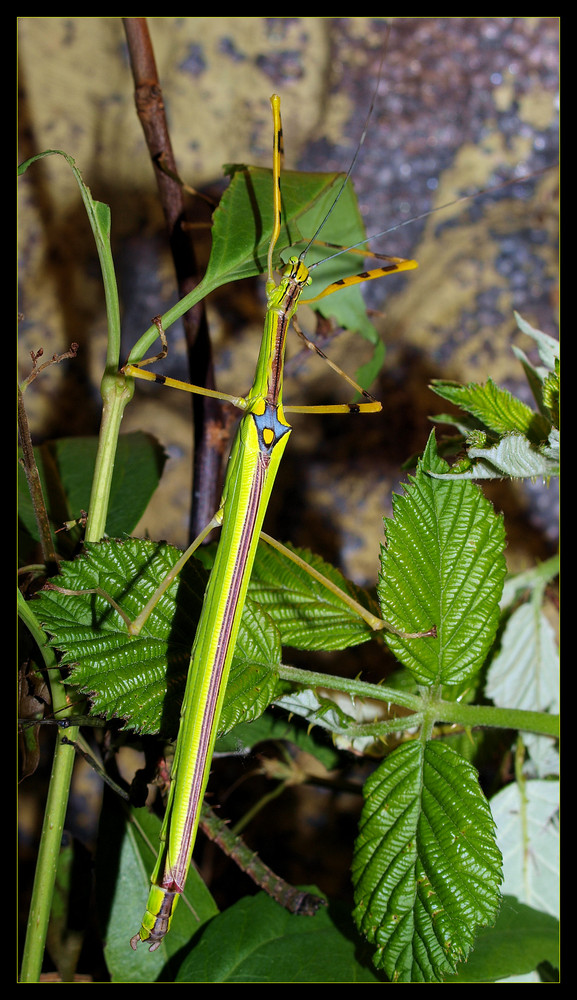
<point x="54" y="815"/>
<point x="149" y="336"/>
<point x="351" y="686"/>
<point x="116" y="394"/>
<point x="503" y="718"/>
<point x="47" y="862"/>
<point x="435" y="709"/>
<point x="258" y="806"/>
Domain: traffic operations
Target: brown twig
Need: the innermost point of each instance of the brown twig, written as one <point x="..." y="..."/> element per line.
<point x="28" y="459"/>
<point x="35" y="487"/>
<point x="208" y="421"/>
<point x="292" y="899"/>
<point x="54" y="360"/>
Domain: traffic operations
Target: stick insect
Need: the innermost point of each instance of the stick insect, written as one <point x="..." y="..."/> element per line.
<point x="256" y="453"/>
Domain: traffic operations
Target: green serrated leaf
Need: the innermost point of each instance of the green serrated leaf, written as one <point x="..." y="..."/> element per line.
<point x="442" y="565"/>
<point x="497" y="408"/>
<point x="307" y="614"/>
<point x="141" y="679"/>
<point x="426" y="868"/>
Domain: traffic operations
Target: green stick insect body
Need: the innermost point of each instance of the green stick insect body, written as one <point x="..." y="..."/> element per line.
<point x="260" y="441"/>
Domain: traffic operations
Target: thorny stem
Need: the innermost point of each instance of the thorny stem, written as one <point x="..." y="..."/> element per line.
<point x="294" y="900"/>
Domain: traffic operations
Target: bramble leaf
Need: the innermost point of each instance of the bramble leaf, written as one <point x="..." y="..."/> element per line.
<point x="141" y="678"/>
<point x="495" y="407"/>
<point x="442" y="565"/>
<point x="426" y="868"/>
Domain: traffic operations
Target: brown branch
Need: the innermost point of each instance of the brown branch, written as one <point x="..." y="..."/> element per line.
<point x="54" y="360"/>
<point x="35" y="487"/>
<point x="208" y="421"/>
<point x="292" y="899"/>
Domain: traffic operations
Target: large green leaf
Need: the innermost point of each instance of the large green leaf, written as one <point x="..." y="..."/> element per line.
<point x="141" y="678"/>
<point x="426" y="867"/>
<point x="241" y="235"/>
<point x="241" y="232"/>
<point x="267" y="944"/>
<point x="242" y="223"/>
<point x="66" y="468"/>
<point x="442" y="565"/>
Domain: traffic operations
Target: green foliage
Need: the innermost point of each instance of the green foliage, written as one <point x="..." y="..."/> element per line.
<point x="308" y="615"/>
<point x="453" y="577"/>
<point x="507" y="438"/>
<point x="241" y="231"/>
<point x="66" y="466"/>
<point x="261" y="936"/>
<point x="241" y="240"/>
<point x="426" y="868"/>
<point x="141" y="678"/>
<point x="508" y="948"/>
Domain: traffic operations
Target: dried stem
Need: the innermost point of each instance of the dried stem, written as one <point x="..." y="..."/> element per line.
<point x="35" y="487"/>
<point x="207" y="412"/>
